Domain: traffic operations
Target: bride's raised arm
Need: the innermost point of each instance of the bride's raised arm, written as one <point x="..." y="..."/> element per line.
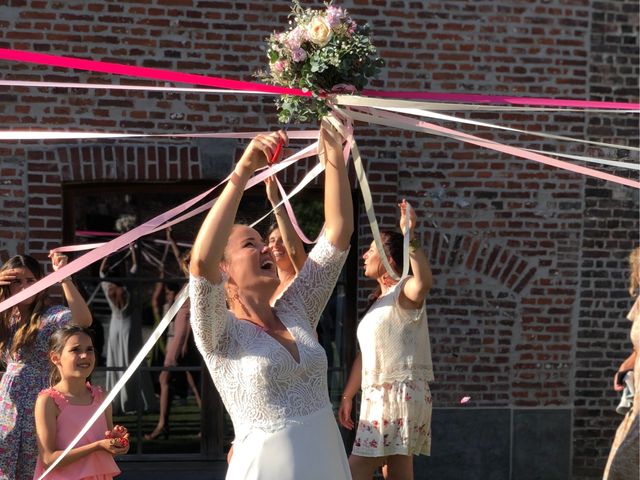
<point x="338" y="205"/>
<point x="213" y="235"/>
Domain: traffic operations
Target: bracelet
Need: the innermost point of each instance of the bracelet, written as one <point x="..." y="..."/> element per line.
<point x="414" y="244"/>
<point x="346" y="397"/>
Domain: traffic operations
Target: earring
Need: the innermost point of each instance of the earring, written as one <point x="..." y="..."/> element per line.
<point x="232" y="297"/>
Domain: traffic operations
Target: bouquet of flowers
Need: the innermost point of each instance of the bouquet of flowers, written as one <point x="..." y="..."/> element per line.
<point x="324" y="51"/>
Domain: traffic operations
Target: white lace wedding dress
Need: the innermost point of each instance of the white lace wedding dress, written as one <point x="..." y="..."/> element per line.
<point x="284" y="424"/>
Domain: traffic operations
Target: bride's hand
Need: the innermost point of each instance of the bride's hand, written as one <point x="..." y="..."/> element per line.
<point x="261" y="149"/>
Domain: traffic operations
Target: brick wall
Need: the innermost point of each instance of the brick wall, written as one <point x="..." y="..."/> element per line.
<point x="529" y="260"/>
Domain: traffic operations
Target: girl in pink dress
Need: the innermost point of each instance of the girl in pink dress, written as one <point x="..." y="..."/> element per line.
<point x="63" y="409"/>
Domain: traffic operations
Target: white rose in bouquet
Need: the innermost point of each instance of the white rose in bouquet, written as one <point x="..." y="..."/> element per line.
<point x="319" y="31"/>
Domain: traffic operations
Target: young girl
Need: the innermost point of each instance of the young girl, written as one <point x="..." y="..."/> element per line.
<point x="63" y="409"/>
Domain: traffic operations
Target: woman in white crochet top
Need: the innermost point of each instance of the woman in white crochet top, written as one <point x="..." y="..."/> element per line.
<point x="269" y="368"/>
<point x="394" y="367"/>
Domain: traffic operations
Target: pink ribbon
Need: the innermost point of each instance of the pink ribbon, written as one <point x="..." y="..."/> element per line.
<point x="418" y="125"/>
<point x="500" y="99"/>
<point x="142" y="72"/>
<point x="169" y="76"/>
<point x="160" y="222"/>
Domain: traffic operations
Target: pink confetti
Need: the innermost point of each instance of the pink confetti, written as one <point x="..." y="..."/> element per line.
<point x="465" y="399"/>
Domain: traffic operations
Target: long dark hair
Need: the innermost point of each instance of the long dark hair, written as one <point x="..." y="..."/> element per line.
<point x="28" y="329"/>
<point x="393" y="244"/>
<point x="56" y="345"/>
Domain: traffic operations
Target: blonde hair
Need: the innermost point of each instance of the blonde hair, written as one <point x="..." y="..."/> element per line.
<point x="634" y="263"/>
<point x="26" y="334"/>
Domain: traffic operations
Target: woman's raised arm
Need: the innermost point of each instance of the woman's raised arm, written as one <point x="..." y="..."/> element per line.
<point x="292" y="242"/>
<point x="338" y="205"/>
<point x="215" y="230"/>
<point x="417" y="286"/>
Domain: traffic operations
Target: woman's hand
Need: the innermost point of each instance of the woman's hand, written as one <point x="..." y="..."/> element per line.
<point x="8" y="276"/>
<point x="403" y="218"/>
<point x="330" y="138"/>
<point x="261" y="149"/>
<point x="58" y="260"/>
<point x="271" y="188"/>
<point x="344" y="413"/>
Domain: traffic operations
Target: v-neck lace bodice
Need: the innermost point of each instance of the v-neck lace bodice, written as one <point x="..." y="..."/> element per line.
<point x="261" y="384"/>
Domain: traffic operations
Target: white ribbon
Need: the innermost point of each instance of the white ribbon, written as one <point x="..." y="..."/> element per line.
<point x="358" y="101"/>
<point x="440" y="116"/>
<point x="106" y="86"/>
<point x="77" y="135"/>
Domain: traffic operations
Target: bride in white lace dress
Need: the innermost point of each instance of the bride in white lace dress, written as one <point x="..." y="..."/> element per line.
<point x="269" y="368"/>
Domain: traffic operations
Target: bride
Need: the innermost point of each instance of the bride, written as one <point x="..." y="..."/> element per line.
<point x="269" y="368"/>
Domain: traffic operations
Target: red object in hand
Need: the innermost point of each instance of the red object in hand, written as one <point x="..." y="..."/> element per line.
<point x="276" y="153"/>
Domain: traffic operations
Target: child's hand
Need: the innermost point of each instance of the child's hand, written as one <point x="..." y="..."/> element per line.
<point x="112" y="446"/>
<point x="118" y="432"/>
<point x="118" y="438"/>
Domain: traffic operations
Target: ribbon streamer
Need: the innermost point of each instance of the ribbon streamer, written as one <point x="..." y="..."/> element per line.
<point x="439" y="116"/>
<point x="399" y="121"/>
<point x="170" y="76"/>
<point x="142" y="72"/>
<point x="360" y="101"/>
<point x="71" y="135"/>
<point x="157" y="223"/>
<point x="108" y="86"/>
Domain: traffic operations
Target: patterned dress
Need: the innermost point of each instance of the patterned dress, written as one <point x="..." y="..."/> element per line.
<point x="395" y="413"/>
<point x="284" y="424"/>
<point x="26" y="375"/>
<point x="624" y="458"/>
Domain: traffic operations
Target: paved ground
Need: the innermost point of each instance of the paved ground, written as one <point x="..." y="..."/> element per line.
<point x="172" y="471"/>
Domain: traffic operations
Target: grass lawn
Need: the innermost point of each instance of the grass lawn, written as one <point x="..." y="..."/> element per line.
<point x="184" y="429"/>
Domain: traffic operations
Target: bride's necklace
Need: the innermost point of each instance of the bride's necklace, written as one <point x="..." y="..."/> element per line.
<point x="263" y="327"/>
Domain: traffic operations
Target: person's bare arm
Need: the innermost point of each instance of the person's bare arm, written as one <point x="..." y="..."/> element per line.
<point x="80" y="313"/>
<point x="417" y="286"/>
<point x="338" y="206"/>
<point x="350" y="390"/>
<point x="292" y="243"/>
<point x="213" y="235"/>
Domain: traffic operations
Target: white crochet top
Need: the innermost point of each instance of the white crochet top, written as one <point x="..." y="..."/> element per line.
<point x="394" y="342"/>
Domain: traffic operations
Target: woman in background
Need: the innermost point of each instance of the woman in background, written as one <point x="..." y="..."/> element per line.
<point x="624" y="457"/>
<point x="24" y="345"/>
<point x="394" y="367"/>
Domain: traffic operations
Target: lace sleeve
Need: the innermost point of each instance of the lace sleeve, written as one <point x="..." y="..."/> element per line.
<point x="209" y="315"/>
<point x="317" y="279"/>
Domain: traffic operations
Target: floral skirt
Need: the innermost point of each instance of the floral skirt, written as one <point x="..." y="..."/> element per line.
<point x="395" y="419"/>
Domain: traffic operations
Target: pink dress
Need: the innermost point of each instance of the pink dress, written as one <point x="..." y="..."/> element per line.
<point x="95" y="466"/>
